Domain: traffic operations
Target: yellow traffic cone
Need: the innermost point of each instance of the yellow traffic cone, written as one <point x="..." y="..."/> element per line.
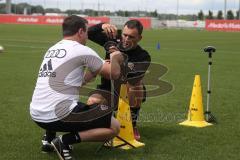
<point x="195" y="113"/>
<point x="125" y="139"/>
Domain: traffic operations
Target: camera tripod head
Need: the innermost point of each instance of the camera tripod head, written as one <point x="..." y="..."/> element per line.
<point x="209" y="50"/>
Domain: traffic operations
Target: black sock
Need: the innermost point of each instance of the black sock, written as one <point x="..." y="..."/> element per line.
<point x="134" y="114"/>
<point x="71" y="138"/>
<point x="50" y="135"/>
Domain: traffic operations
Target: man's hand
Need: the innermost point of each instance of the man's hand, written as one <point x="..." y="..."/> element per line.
<point x="117" y="56"/>
<point x="110" y="30"/>
<point x="112" y="69"/>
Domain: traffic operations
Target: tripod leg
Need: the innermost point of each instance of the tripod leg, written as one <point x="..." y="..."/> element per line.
<point x="209" y="117"/>
<point x="209" y="81"/>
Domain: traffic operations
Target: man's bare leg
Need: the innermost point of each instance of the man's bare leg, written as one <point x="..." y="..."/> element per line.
<point x="101" y="134"/>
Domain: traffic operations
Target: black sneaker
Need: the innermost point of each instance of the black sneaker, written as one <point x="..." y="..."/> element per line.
<point x="46" y="146"/>
<point x="62" y="150"/>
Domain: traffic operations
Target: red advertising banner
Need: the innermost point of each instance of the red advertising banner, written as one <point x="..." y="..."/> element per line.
<point x="96" y="20"/>
<point x="222" y="25"/>
<point x="44" y="20"/>
<point x="22" y="19"/>
<point x="146" y="22"/>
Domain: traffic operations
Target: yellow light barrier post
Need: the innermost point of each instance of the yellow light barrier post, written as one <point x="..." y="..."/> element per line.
<point x="125" y="139"/>
<point x="195" y="112"/>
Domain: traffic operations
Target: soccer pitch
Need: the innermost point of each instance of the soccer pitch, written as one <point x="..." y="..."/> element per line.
<point x="181" y="51"/>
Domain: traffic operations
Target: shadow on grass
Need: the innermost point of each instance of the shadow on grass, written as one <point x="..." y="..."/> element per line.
<point x="150" y="135"/>
<point x="156" y="132"/>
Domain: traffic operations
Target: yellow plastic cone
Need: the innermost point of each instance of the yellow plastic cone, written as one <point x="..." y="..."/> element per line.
<point x="125" y="139"/>
<point x="195" y="112"/>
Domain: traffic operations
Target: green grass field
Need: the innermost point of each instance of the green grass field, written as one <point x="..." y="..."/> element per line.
<point x="181" y="51"/>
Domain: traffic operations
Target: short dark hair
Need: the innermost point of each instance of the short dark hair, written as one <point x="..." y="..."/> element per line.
<point x="135" y="24"/>
<point x="72" y="24"/>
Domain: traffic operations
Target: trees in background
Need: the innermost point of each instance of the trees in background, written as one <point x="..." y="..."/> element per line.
<point x="201" y="15"/>
<point x="237" y="15"/>
<point x="230" y="14"/>
<point x="210" y="15"/>
<point x="220" y="15"/>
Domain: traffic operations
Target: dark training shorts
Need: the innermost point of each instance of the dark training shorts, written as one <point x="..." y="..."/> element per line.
<point x="83" y="117"/>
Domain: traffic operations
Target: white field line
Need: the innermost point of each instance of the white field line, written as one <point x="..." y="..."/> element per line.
<point x="21" y="46"/>
<point x="28" y="41"/>
<point x="147" y="47"/>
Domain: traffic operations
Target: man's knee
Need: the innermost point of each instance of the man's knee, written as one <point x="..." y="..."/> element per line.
<point x="138" y="92"/>
<point x="115" y="126"/>
<point x="96" y="99"/>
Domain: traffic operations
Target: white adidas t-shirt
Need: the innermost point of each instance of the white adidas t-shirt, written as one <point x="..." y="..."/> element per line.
<point x="60" y="76"/>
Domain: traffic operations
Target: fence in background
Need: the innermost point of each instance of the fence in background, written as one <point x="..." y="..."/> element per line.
<point x="210" y="25"/>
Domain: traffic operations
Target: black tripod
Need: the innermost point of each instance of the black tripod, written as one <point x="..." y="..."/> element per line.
<point x="209" y="117"/>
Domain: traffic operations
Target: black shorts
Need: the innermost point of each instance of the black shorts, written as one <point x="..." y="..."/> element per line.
<point x="83" y="117"/>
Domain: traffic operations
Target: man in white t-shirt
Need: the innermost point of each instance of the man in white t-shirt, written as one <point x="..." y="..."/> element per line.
<point x="55" y="104"/>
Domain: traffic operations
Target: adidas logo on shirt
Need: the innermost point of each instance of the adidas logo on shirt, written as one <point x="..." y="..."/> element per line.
<point x="47" y="70"/>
